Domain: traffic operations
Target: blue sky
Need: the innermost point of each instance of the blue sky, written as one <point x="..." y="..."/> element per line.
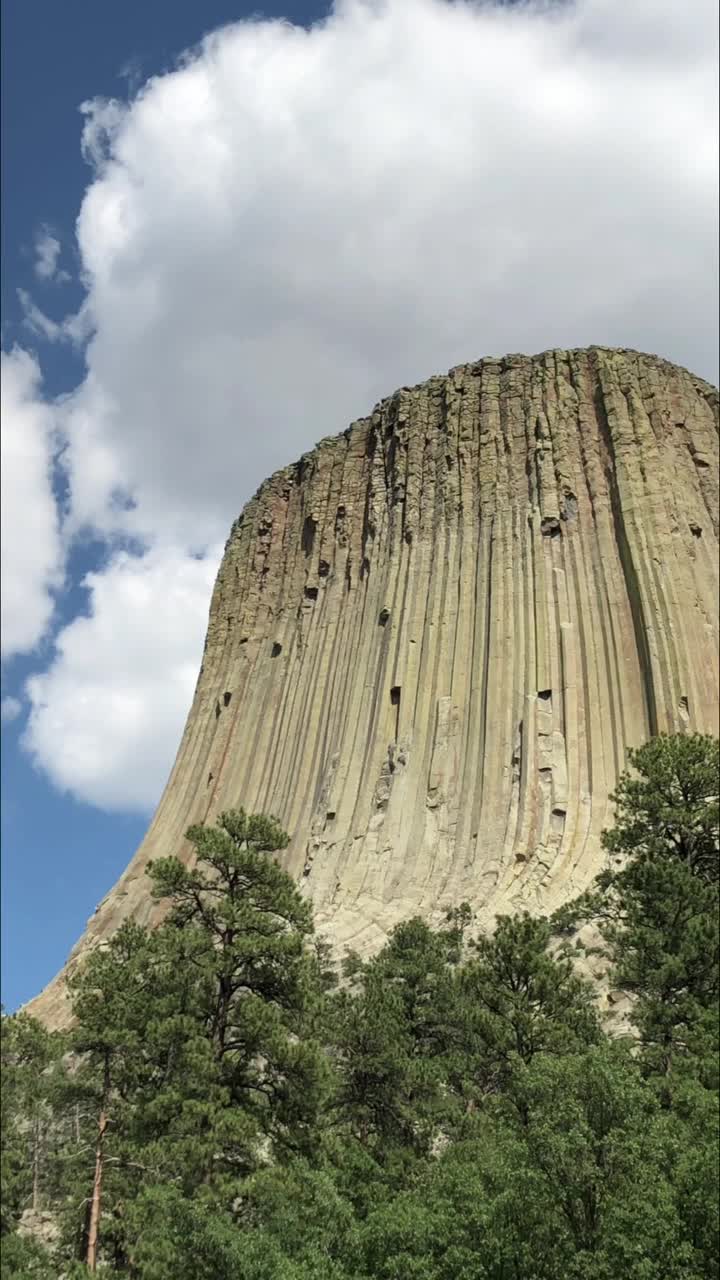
<point x="59" y="855"/>
<point x="219" y="261"/>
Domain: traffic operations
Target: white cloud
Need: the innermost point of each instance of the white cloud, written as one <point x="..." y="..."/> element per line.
<point x="47" y="253"/>
<point x="106" y="717"/>
<point x="293" y="223"/>
<point x="36" y="321"/>
<point x="103" y="117"/>
<point x="30" y="551"/>
<point x="10" y="709"/>
<point x="75" y="327"/>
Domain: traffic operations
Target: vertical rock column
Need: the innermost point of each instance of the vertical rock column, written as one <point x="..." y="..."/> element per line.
<point x="433" y="639"/>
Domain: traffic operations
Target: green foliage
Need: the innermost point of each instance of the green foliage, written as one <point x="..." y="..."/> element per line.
<point x="22" y="1258"/>
<point x="191" y="1059"/>
<point x="520" y="1001"/>
<point x="27" y="1053"/>
<point x="562" y="1189"/>
<point x="238" y="920"/>
<point x="451" y="1109"/>
<point x="658" y="906"/>
<point x="667" y="809"/>
<point x="395" y="1027"/>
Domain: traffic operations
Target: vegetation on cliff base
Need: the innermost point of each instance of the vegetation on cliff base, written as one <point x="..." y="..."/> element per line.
<point x="452" y="1109"/>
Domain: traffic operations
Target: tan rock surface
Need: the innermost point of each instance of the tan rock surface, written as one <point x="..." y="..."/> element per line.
<point x="433" y="638"/>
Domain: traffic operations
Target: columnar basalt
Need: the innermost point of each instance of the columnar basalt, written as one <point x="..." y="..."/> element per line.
<point x="433" y="639"/>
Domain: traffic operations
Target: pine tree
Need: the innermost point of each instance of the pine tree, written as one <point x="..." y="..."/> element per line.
<point x="657" y="907"/>
<point x="396" y="1029"/>
<point x="28" y="1052"/>
<point x="519" y="1000"/>
<point x="250" y="931"/>
<point x="454" y="1109"/>
<point x="192" y="1059"/>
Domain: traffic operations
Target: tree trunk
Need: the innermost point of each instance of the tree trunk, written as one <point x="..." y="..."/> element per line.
<point x="96" y="1200"/>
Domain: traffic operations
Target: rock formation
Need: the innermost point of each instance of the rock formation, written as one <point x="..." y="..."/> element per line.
<point x="433" y="638"/>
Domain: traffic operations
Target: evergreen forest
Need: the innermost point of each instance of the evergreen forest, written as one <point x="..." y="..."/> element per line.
<point x="232" y="1104"/>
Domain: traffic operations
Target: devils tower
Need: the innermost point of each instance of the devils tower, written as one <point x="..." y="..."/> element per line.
<point x="434" y="637"/>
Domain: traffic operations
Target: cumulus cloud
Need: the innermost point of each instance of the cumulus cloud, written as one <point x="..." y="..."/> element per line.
<point x="30" y="550"/>
<point x="47" y="253"/>
<point x="36" y="321"/>
<point x="10" y="709"/>
<point x="295" y="222"/>
<point x="106" y="717"/>
<point x="74" y="328"/>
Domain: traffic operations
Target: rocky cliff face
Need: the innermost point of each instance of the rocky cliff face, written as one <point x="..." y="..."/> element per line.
<point x="433" y="638"/>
